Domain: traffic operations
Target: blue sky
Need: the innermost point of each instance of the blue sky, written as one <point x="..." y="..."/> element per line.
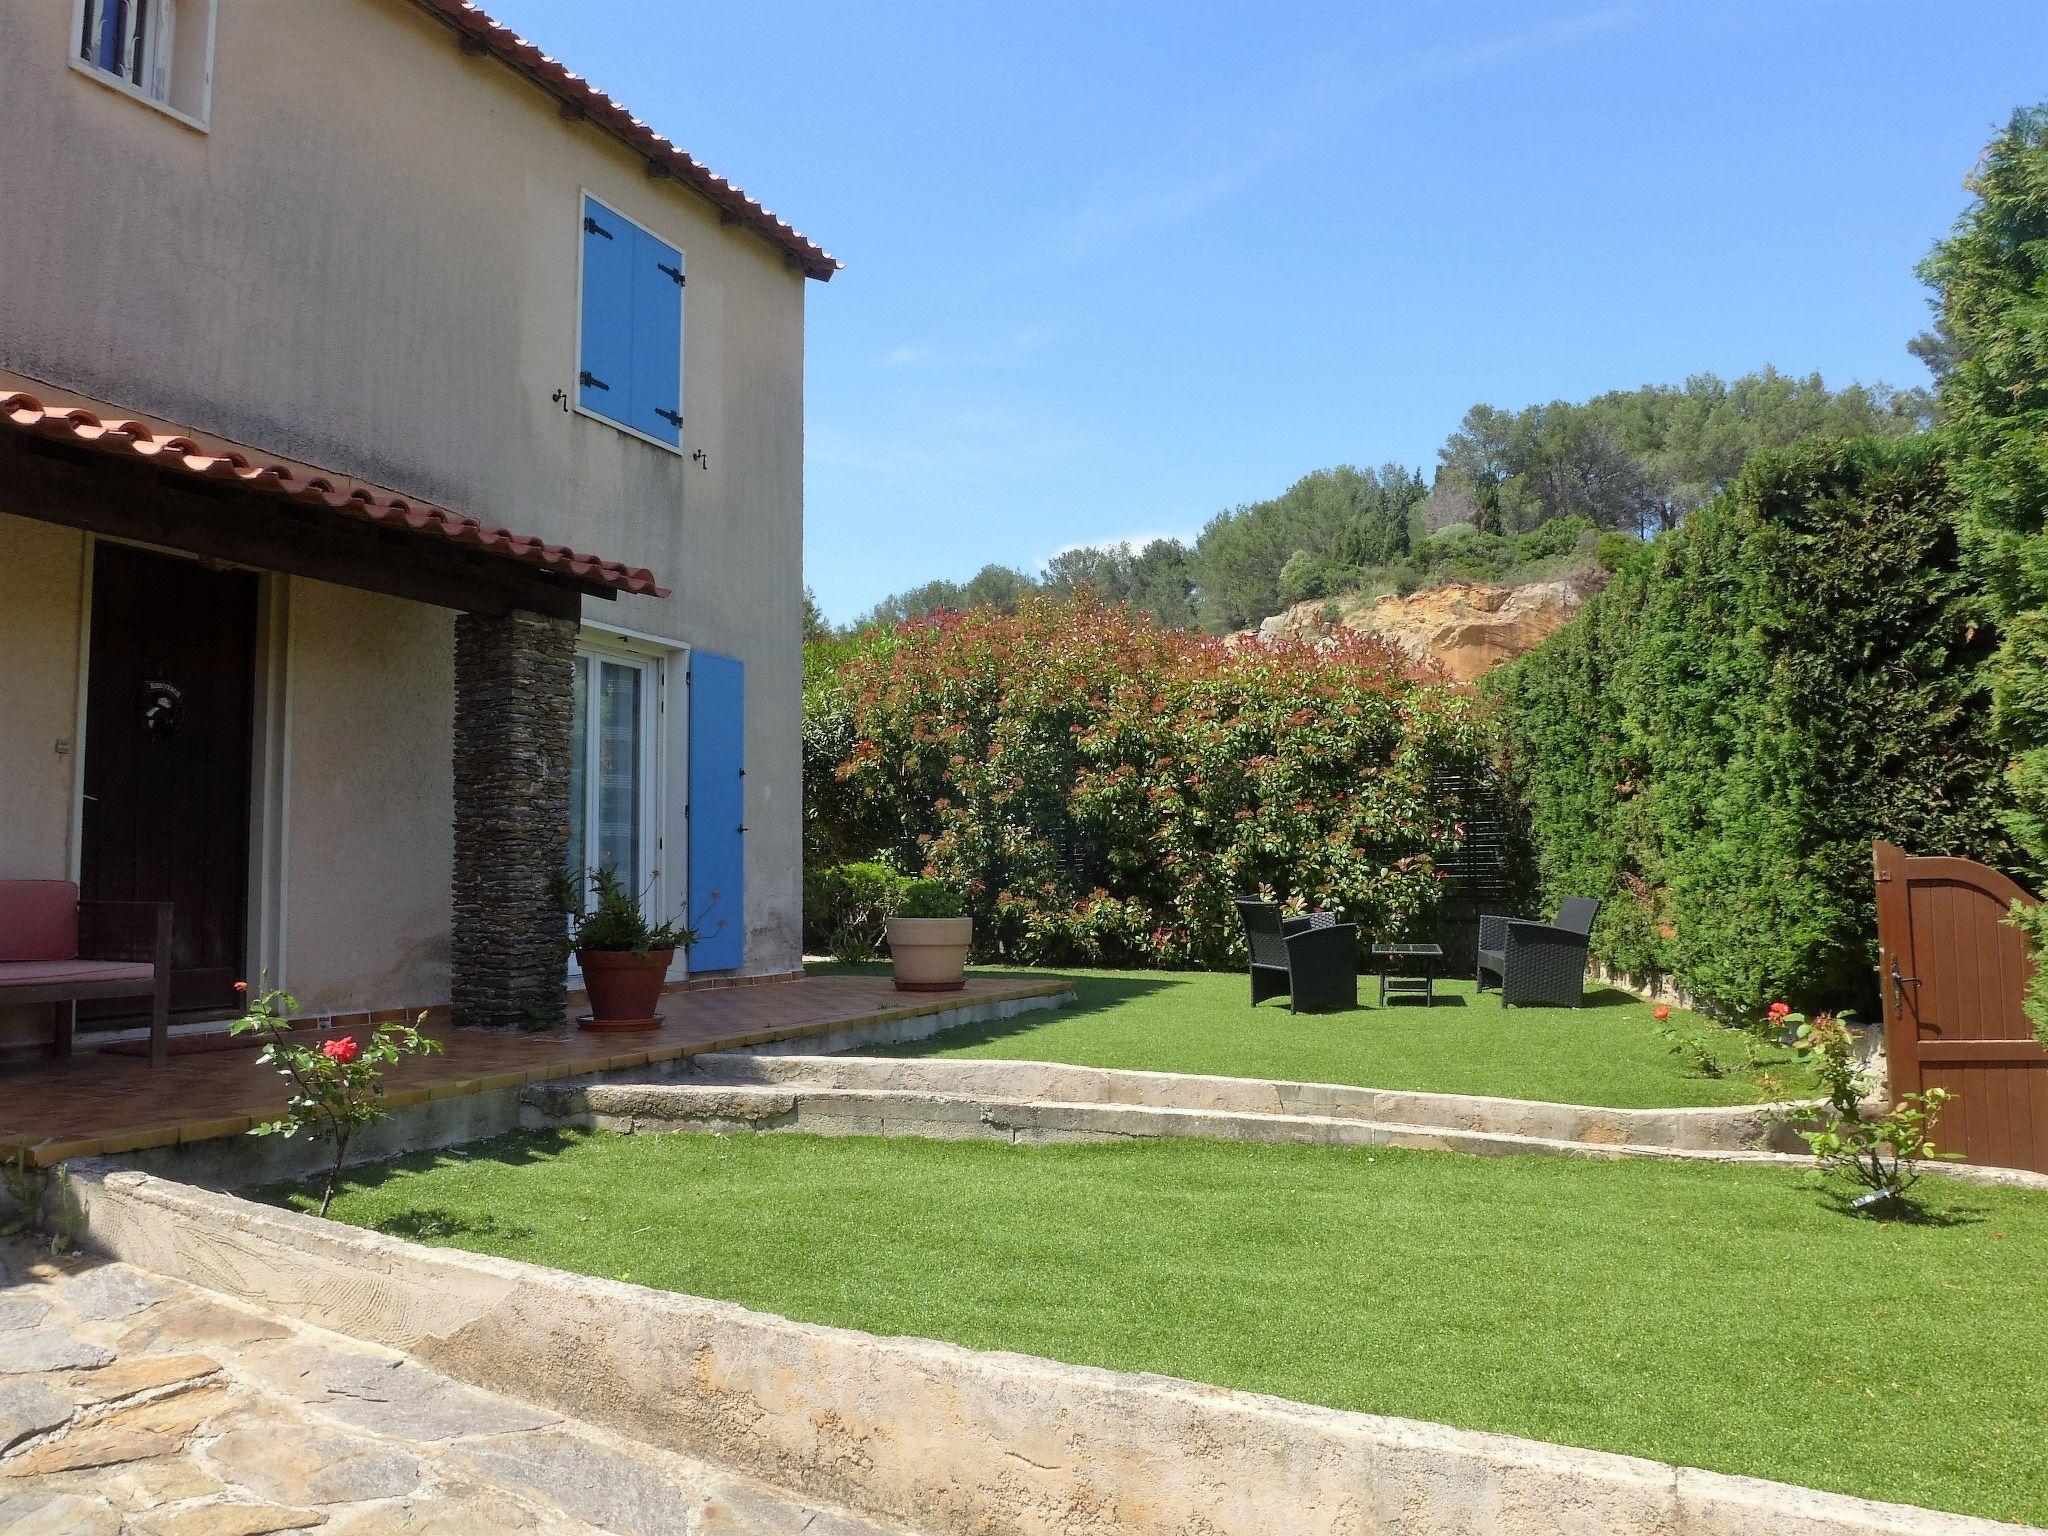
<point x="1113" y="266"/>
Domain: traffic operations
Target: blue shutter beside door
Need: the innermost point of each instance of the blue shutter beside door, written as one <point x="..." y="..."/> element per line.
<point x="718" y="811"/>
<point x="657" y="339"/>
<point x="604" y="382"/>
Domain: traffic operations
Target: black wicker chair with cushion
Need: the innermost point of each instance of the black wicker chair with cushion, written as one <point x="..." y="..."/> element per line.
<point x="1312" y="961"/>
<point x="1540" y="963"/>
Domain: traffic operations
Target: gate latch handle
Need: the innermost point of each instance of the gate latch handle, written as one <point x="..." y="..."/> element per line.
<point x="1900" y="983"/>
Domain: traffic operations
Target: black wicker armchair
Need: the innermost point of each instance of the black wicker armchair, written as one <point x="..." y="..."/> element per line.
<point x="1312" y="961"/>
<point x="1540" y="963"/>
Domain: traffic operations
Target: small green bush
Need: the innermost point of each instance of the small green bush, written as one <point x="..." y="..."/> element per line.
<point x="930" y="898"/>
<point x="847" y="906"/>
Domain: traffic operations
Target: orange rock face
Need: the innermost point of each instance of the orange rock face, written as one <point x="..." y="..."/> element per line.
<point x="1466" y="627"/>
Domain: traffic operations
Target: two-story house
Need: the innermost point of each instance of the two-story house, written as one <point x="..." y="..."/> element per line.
<point x="401" y="496"/>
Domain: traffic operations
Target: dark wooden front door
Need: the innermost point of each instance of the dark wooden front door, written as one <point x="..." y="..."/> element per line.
<point x="1954" y="976"/>
<point x="169" y="701"/>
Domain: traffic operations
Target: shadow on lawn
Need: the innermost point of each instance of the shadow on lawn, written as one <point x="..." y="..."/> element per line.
<point x="514" y="1149"/>
<point x="431" y="1223"/>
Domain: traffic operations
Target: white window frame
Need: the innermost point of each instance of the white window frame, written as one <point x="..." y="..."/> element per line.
<point x="585" y="195"/>
<point x="158" y="64"/>
<point x="653" y="660"/>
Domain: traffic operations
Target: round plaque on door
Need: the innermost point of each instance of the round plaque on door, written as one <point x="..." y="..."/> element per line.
<point x="161" y="703"/>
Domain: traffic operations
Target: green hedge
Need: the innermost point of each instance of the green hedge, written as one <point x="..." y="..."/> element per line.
<point x="1099" y="788"/>
<point x="1712" y="746"/>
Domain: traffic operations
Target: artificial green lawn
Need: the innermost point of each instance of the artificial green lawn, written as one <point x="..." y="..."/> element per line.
<point x="1607" y="1052"/>
<point x="1723" y="1317"/>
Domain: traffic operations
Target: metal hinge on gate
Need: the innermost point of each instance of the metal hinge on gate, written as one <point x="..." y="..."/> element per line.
<point x="590" y="380"/>
<point x="673" y="418"/>
<point x="592" y="227"/>
<point x="673" y="272"/>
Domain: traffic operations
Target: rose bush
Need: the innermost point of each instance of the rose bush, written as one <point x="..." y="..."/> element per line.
<point x="1100" y="788"/>
<point x="337" y="1087"/>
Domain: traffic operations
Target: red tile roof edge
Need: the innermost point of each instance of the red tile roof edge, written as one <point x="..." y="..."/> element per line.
<point x="588" y="102"/>
<point x="24" y="413"/>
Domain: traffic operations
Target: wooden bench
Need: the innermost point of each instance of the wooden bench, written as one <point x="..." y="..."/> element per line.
<point x="57" y="949"/>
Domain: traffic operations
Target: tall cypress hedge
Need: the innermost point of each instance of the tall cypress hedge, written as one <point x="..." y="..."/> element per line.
<point x="1712" y="746"/>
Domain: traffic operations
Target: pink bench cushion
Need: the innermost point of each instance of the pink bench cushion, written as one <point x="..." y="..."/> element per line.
<point x="47" y="973"/>
<point x="38" y="920"/>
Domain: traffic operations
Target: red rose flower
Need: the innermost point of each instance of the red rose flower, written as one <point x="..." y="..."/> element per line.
<point x="1778" y="1010"/>
<point x="241" y="986"/>
<point x="342" y="1050"/>
<point x="1660" y="1013"/>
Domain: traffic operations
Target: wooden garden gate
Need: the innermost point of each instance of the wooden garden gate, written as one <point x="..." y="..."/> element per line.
<point x="1953" y="972"/>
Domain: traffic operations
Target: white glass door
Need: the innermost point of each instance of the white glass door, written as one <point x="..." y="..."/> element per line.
<point x="611" y="776"/>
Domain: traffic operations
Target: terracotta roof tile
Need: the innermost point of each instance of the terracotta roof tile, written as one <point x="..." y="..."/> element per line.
<point x="487" y="35"/>
<point x="22" y="412"/>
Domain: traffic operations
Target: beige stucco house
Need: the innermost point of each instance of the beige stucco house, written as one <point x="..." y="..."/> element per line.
<point x="400" y="498"/>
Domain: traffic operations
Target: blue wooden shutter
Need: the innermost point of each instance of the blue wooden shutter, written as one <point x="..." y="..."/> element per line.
<point x="718" y="811"/>
<point x="657" y="392"/>
<point x="604" y="382"/>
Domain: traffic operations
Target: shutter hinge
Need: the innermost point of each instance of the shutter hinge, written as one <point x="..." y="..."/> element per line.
<point x="674" y="272"/>
<point x="592" y="227"/>
<point x="590" y="380"/>
<point x="673" y="418"/>
<point x="743" y="829"/>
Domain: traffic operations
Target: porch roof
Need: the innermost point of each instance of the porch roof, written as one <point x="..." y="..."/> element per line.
<point x="181" y="452"/>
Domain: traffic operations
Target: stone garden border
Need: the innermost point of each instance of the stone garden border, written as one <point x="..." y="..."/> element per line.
<point x="1709" y="1129"/>
<point x="940" y="1437"/>
<point x="1013" y="1102"/>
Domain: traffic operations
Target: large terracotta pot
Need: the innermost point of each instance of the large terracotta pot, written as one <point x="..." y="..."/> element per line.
<point x="930" y="953"/>
<point x="624" y="988"/>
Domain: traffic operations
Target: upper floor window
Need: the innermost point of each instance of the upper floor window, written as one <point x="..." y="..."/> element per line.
<point x="629" y="347"/>
<point x="159" y="50"/>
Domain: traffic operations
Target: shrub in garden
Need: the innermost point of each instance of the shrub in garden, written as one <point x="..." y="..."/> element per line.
<point x="1714" y="743"/>
<point x="1883" y="1153"/>
<point x="847" y="908"/>
<point x="337" y="1085"/>
<point x="1099" y="788"/>
<point x="930" y="898"/>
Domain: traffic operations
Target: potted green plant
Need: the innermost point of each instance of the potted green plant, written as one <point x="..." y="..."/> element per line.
<point x="624" y="958"/>
<point x="928" y="938"/>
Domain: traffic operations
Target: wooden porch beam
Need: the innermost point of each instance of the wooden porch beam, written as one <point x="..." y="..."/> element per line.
<point x="221" y="521"/>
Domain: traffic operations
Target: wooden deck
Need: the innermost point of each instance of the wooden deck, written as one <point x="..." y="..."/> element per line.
<point x="98" y="1104"/>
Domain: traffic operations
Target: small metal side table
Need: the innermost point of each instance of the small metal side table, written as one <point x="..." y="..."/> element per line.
<point x="1408" y="970"/>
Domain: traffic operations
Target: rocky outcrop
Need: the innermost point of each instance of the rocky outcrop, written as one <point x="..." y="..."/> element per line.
<point x="1467" y="627"/>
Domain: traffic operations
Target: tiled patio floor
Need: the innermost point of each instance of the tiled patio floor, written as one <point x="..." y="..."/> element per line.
<point x="96" y="1104"/>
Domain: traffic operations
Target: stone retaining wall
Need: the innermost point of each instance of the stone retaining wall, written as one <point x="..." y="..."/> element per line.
<point x="1729" y="1129"/>
<point x="943" y="1438"/>
<point x="792" y="1101"/>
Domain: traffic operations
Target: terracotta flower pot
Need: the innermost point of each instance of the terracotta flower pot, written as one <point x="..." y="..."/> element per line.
<point x="930" y="953"/>
<point x="624" y="988"/>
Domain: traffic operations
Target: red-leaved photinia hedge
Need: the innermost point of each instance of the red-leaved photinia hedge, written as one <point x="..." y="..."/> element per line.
<point x="1100" y="788"/>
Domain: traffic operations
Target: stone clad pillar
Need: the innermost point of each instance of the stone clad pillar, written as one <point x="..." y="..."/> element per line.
<point x="513" y="709"/>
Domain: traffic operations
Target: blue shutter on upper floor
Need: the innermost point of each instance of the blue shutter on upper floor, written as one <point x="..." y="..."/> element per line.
<point x="657" y="393"/>
<point x="630" y="359"/>
<point x="604" y="380"/>
<point x="718" y="811"/>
